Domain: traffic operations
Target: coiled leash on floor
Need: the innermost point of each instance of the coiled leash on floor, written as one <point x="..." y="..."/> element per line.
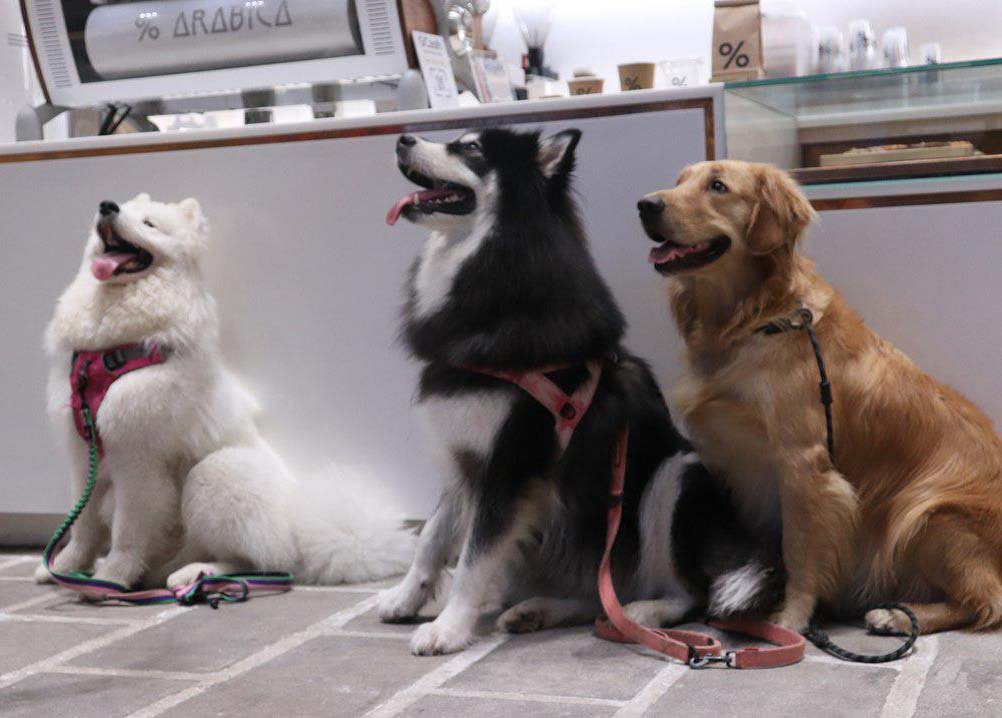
<point x="691" y="647"/>
<point x="803" y="319"/>
<point x="106" y="367"/>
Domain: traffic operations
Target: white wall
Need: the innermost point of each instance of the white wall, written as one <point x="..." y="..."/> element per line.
<point x="599" y="34"/>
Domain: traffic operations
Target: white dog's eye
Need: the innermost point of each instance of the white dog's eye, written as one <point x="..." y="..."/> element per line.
<point x="148" y="223"/>
<point x="718" y="186"/>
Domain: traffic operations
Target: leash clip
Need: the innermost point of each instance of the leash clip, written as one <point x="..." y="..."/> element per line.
<point x="697" y="661"/>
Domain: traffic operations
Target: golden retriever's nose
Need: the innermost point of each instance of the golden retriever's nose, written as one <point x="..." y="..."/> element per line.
<point x="650" y="206"/>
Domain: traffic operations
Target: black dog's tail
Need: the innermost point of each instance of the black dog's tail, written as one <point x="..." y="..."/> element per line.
<point x="736" y="570"/>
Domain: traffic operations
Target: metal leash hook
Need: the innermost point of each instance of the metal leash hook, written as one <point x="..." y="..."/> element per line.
<point x="697" y="661"/>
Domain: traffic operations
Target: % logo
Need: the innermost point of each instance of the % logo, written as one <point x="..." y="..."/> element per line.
<point x="733" y="54"/>
<point x="145" y="23"/>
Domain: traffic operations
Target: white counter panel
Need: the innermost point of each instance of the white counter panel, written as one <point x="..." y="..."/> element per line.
<point x="309" y="280"/>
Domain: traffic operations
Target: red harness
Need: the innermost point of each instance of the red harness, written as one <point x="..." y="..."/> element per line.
<point x="691" y="647"/>
<point x="93" y="373"/>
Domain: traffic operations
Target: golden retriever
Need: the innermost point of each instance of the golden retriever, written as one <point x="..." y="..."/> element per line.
<point x="911" y="507"/>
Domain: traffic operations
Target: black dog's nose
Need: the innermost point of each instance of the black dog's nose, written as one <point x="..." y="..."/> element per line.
<point x="108" y="207"/>
<point x="407" y="140"/>
<point x="649" y="206"/>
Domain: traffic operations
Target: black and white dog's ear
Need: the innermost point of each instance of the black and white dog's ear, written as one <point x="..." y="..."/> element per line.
<point x="556" y="152"/>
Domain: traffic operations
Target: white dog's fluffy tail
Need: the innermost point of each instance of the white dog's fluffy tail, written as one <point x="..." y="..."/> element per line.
<point x="349" y="530"/>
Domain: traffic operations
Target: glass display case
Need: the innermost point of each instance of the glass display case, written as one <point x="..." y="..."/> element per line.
<point x="926" y="121"/>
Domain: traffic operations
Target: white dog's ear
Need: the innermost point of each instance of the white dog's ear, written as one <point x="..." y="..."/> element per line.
<point x="556" y="153"/>
<point x="192" y="211"/>
<point x="142" y="197"/>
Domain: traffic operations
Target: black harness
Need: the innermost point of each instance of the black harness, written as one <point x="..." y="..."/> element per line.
<point x="803" y="319"/>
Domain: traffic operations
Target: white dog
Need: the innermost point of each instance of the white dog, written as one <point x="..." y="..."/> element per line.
<point x="186" y="484"/>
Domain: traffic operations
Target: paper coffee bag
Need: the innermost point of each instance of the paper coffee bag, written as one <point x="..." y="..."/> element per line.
<point x="737" y="40"/>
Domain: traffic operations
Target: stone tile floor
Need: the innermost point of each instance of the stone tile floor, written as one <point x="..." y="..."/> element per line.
<point x="322" y="652"/>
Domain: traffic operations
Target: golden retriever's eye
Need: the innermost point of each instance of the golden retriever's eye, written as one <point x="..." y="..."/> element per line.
<point x="718" y="187"/>
<point x="148" y="223"/>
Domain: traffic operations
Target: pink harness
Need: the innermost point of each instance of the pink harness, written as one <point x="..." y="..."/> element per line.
<point x="692" y="647"/>
<point x="93" y="373"/>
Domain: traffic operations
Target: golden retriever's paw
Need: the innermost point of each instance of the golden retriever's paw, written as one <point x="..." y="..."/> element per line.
<point x="441" y="636"/>
<point x="887" y="622"/>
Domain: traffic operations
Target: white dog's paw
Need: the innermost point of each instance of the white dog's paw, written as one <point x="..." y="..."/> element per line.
<point x="665" y="612"/>
<point x="402" y="602"/>
<point x="440" y="636"/>
<point x="191" y="573"/>
<point x="42" y="574"/>
<point x="887" y="622"/>
<point x="525" y="617"/>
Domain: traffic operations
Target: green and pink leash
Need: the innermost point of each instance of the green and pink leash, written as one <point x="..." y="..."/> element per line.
<point x="211" y="589"/>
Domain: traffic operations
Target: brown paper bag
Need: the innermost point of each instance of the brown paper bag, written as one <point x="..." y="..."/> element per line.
<point x="737" y="41"/>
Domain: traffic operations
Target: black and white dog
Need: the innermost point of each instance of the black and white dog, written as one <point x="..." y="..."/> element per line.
<point x="506" y="282"/>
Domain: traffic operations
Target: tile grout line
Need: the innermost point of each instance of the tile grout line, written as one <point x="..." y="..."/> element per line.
<point x="126" y="673"/>
<point x="80" y="620"/>
<point x="94" y="644"/>
<point x="259" y="658"/>
<point x="653" y="691"/>
<point x="825" y="659"/>
<point x="529" y="697"/>
<point x="16" y="560"/>
<point x="10" y="608"/>
<point x="435" y="678"/>
<point x="367" y="634"/>
<point x="17" y="579"/>
<point x="336" y="589"/>
<point x="902" y="699"/>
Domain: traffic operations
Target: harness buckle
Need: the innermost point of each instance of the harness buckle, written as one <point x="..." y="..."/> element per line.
<point x="113" y="360"/>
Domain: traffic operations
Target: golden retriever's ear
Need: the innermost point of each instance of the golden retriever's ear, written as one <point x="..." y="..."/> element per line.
<point x="782" y="212"/>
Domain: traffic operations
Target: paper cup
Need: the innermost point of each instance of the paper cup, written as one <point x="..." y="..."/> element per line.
<point x="585" y="85"/>
<point x="636" y="76"/>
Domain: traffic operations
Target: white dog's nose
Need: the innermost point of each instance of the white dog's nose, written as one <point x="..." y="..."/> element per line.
<point x="108" y="207"/>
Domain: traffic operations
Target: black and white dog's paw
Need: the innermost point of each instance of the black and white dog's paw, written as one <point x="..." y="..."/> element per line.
<point x="403" y="601"/>
<point x="441" y="636"/>
<point x="658" y="613"/>
<point x="525" y="617"/>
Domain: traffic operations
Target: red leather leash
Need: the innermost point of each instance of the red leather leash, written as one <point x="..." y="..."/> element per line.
<point x="691" y="647"/>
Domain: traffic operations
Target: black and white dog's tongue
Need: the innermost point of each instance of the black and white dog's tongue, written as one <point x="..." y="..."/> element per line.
<point x="414" y="198"/>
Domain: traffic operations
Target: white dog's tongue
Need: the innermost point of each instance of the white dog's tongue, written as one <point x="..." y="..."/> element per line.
<point x="414" y="198"/>
<point x="104" y="265"/>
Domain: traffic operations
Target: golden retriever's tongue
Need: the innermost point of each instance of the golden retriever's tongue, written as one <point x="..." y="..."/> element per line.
<point x="666" y="253"/>
<point x="414" y="198"/>
<point x="104" y="265"/>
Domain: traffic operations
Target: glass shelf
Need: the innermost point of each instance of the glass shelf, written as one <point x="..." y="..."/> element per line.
<point x="894" y="123"/>
<point x="898" y="93"/>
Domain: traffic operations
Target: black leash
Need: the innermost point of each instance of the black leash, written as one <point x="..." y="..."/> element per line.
<point x="820" y="639"/>
<point x="802" y="318"/>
